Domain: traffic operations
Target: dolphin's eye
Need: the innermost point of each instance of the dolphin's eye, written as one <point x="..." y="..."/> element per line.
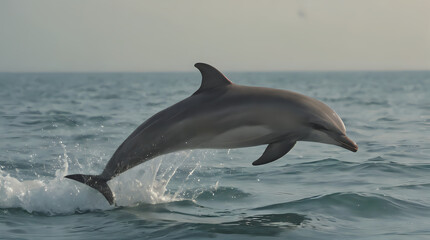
<point x="317" y="126"/>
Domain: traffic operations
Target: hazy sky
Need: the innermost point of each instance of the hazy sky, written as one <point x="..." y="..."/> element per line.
<point x="234" y="35"/>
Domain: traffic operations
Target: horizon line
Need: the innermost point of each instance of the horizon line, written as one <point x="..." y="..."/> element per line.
<point x="229" y="71"/>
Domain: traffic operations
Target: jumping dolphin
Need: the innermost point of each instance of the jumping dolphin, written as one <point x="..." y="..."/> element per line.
<point x="224" y="115"/>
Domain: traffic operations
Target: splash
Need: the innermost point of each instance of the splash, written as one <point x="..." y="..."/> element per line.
<point x="150" y="183"/>
<point x="143" y="184"/>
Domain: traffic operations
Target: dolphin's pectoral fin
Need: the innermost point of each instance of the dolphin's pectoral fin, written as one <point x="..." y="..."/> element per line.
<point x="275" y="151"/>
<point x="211" y="77"/>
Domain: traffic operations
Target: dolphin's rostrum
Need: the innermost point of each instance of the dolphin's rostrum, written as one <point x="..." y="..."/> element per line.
<point x="221" y="114"/>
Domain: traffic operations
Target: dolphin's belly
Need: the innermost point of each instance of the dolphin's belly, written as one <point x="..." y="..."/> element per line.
<point x="243" y="136"/>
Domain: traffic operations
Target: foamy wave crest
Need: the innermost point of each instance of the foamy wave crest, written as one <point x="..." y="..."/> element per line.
<point x="54" y="196"/>
<point x="144" y="184"/>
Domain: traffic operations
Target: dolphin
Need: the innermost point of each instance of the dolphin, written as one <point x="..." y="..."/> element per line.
<point x="224" y="115"/>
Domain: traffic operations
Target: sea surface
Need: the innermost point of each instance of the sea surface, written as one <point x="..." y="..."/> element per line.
<point x="54" y="124"/>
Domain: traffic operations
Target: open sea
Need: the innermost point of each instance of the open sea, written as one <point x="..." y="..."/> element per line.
<point x="54" y="124"/>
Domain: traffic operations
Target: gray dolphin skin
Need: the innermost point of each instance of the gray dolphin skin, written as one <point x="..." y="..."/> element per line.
<point x="224" y="115"/>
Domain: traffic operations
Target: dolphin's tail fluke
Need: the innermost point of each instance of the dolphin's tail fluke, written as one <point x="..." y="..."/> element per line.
<point x="96" y="182"/>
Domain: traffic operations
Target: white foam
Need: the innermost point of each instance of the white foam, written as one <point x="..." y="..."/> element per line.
<point x="51" y="196"/>
<point x="144" y="184"/>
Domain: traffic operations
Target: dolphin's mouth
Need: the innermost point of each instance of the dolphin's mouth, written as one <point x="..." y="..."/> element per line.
<point x="347" y="143"/>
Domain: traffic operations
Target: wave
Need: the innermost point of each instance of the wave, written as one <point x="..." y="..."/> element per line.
<point x="378" y="164"/>
<point x="347" y="205"/>
<point x="270" y="225"/>
<point x="419" y="186"/>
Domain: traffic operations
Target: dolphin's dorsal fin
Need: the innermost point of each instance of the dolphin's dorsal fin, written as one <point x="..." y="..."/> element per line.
<point x="211" y="77"/>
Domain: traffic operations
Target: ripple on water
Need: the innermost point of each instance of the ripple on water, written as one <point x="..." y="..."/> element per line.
<point x="219" y="194"/>
<point x="257" y="225"/>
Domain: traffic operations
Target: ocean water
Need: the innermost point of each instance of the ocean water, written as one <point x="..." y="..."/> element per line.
<point x="54" y="124"/>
